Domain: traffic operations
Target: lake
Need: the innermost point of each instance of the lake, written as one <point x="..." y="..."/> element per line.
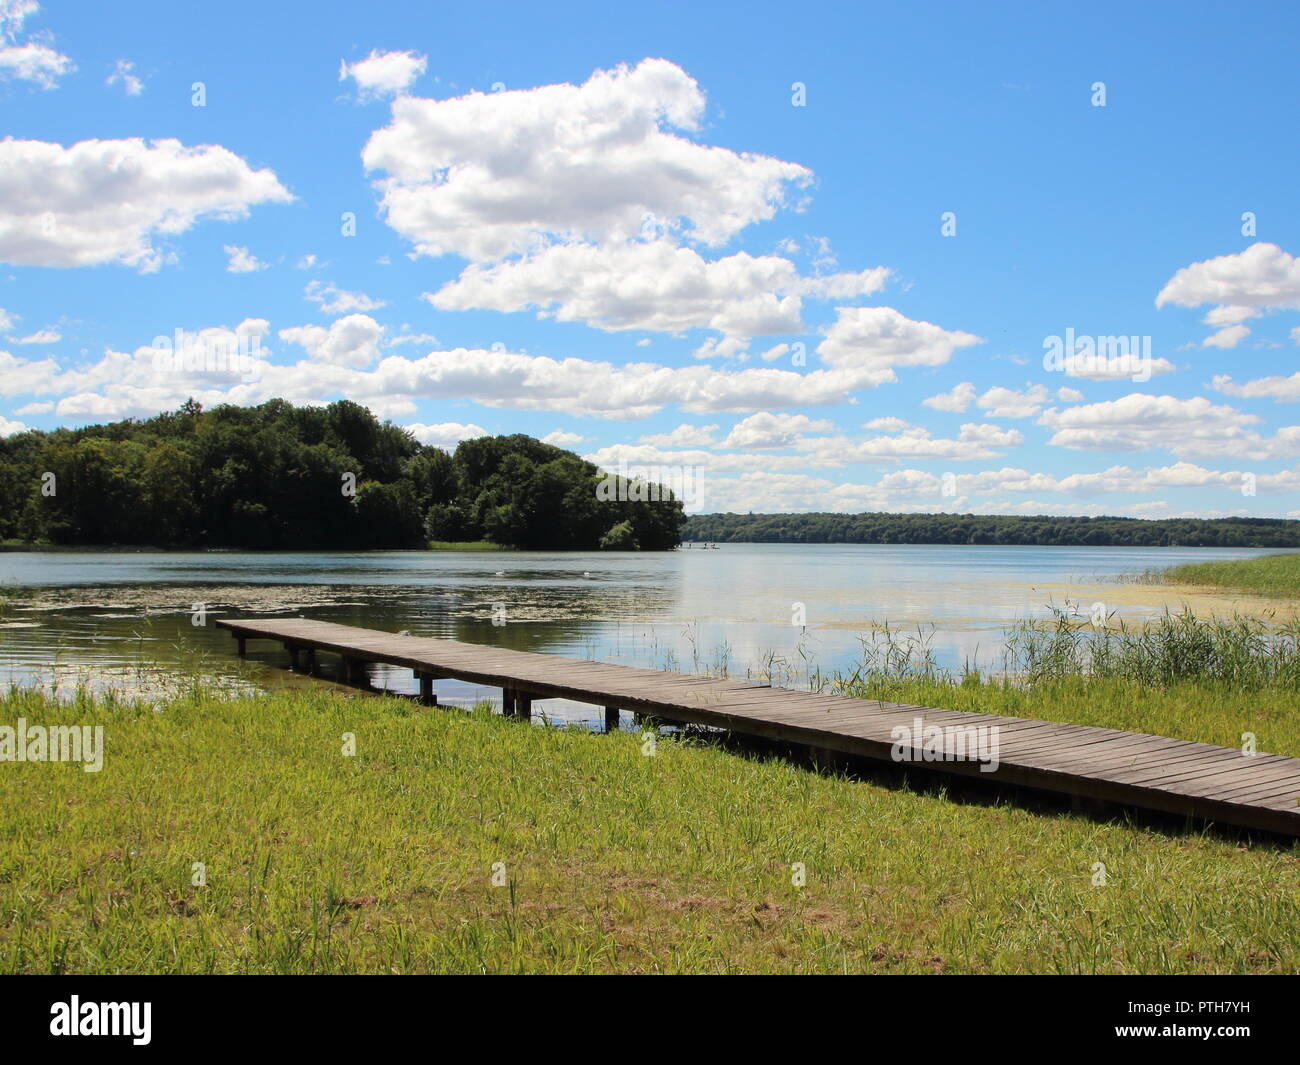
<point x="125" y="620"/>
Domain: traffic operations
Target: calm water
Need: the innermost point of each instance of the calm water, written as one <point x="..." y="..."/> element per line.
<point x="124" y="620"/>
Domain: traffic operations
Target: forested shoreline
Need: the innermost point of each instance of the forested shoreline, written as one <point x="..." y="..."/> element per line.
<point x="278" y="476"/>
<point x="1011" y="530"/>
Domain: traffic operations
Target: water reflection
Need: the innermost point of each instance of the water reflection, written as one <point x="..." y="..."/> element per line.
<point x="124" y="619"/>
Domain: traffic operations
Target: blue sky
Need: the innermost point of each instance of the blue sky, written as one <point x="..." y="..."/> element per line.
<point x="685" y="240"/>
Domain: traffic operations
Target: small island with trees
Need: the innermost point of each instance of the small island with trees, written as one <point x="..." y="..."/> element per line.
<point x="282" y="477"/>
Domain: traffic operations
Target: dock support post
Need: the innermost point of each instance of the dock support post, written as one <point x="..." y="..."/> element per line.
<point x="241" y="642"/>
<point x="293" y="656"/>
<point x="611" y="719"/>
<point x="426" y="689"/>
<point x="311" y="661"/>
<point x="523" y="706"/>
<point x="508" y="702"/>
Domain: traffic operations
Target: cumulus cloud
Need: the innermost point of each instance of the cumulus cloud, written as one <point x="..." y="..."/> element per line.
<point x="383" y="74"/>
<point x="886" y="425"/>
<point x="114" y="201"/>
<point x="563" y="438"/>
<point x="1241" y="286"/>
<point x="1139" y="422"/>
<point x="767" y="430"/>
<point x="654" y="285"/>
<point x="1122" y="367"/>
<point x="879" y="338"/>
<point x="489" y="175"/>
<point x="32" y="60"/>
<point x="445" y="435"/>
<point x="684" y="436"/>
<point x="341" y="361"/>
<point x="956" y="400"/>
<point x="996" y="491"/>
<point x="242" y="261"/>
<point x="351" y="341"/>
<point x="335" y="300"/>
<point x="1001" y="402"/>
<point x="1281" y="389"/>
<point x="997" y="401"/>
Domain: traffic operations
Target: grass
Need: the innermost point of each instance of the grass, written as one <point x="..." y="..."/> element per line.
<point x="466" y="545"/>
<point x="614" y="861"/>
<point x="1274" y="575"/>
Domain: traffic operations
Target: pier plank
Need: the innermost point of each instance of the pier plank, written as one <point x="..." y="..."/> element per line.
<point x="1153" y="772"/>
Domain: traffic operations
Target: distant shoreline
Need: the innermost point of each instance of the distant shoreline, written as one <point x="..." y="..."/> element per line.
<point x="1006" y="530"/>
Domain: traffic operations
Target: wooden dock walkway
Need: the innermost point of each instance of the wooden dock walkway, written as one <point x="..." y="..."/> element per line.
<point x="1259" y="791"/>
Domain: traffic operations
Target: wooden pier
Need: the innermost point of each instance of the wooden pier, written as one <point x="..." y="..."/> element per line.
<point x="1092" y="765"/>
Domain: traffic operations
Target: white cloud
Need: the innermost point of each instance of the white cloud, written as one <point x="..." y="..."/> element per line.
<point x="997" y="401"/>
<point x="9" y="428"/>
<point x="34" y="60"/>
<point x="334" y="300"/>
<point x="879" y="338"/>
<point x="1069" y="395"/>
<point x="1242" y="286"/>
<point x="494" y="378"/>
<point x="767" y="430"/>
<point x="445" y="435"/>
<point x="988" y="491"/>
<point x="563" y="438"/>
<point x="402" y="339"/>
<point x="114" y="200"/>
<point x="1002" y="402"/>
<point x="1262" y="276"/>
<point x="488" y="175"/>
<point x="352" y="341"/>
<point x="1140" y="422"/>
<point x="956" y="400"/>
<point x="1227" y="337"/>
<point x="1281" y="389"/>
<point x="242" y="261"/>
<point x="1120" y="367"/>
<point x="122" y="72"/>
<point x="41" y="336"/>
<point x="652" y="285"/>
<point x="886" y="425"/>
<point x="684" y="436"/>
<point x="383" y="74"/>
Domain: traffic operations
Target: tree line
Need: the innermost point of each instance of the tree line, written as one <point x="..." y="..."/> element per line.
<point x="1045" y="530"/>
<point x="277" y="476"/>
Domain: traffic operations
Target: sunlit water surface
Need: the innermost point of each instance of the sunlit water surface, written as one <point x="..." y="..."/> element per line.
<point x="125" y="620"/>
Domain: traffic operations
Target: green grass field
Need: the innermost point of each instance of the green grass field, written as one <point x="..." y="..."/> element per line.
<point x="1275" y="575"/>
<point x="613" y="860"/>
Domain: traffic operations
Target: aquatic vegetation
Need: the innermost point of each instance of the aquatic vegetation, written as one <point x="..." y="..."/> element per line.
<point x="1275" y="575"/>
